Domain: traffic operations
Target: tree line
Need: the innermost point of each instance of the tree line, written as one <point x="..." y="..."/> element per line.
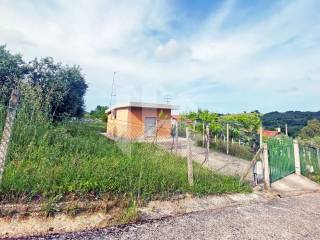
<point x="63" y="86"/>
<point x="295" y="120"/>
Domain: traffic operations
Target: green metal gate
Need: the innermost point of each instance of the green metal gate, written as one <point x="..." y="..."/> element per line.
<point x="281" y="157"/>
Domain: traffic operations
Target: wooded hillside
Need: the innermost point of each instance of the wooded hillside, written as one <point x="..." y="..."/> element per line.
<point x="296" y="120"/>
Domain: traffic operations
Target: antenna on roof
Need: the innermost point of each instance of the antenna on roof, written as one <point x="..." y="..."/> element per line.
<point x="112" y="89"/>
<point x="167" y="98"/>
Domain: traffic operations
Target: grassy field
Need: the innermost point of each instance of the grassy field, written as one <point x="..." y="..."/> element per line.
<point x="49" y="160"/>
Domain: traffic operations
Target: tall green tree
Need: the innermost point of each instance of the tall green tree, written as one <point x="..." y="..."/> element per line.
<point x="311" y="130"/>
<point x="62" y="86"/>
<point x="99" y="113"/>
<point x="11" y="71"/>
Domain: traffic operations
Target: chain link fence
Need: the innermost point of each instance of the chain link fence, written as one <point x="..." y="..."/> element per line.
<point x="180" y="139"/>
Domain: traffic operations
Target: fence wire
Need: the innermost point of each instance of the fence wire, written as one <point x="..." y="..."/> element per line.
<point x="309" y="160"/>
<point x="165" y="135"/>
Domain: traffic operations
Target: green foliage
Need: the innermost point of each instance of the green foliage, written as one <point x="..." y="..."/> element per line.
<point x="11" y="71"/>
<point x="242" y="126"/>
<point x="296" y="120"/>
<point x="63" y="86"/>
<point x="310" y="135"/>
<point x="48" y="160"/>
<point x="130" y="214"/>
<point x="99" y="113"/>
<point x="311" y="130"/>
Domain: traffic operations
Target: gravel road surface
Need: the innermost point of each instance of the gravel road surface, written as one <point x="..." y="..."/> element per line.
<point x="283" y="218"/>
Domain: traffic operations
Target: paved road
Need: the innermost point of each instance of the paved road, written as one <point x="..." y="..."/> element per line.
<point x="286" y="218"/>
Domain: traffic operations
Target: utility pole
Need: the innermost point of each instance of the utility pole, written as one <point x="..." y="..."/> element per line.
<point x="112" y="89"/>
<point x="287" y="129"/>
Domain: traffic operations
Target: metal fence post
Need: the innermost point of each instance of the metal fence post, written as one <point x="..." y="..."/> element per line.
<point x="260" y="136"/>
<point x="227" y="138"/>
<point x="266" y="171"/>
<point x="203" y="134"/>
<point x="318" y="157"/>
<point x="190" y="167"/>
<point x="296" y="157"/>
<point x="176" y="138"/>
<point x="208" y="142"/>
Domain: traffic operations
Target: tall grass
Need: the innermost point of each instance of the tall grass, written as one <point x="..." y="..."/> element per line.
<point x="48" y="159"/>
<point x="2" y="117"/>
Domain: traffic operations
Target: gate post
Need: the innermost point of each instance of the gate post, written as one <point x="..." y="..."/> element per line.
<point x="296" y="157"/>
<point x="266" y="171"/>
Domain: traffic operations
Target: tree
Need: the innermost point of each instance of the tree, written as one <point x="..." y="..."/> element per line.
<point x="99" y="113"/>
<point x="295" y="120"/>
<point x="11" y="70"/>
<point x="312" y="130"/>
<point x="62" y="86"/>
<point x="74" y="88"/>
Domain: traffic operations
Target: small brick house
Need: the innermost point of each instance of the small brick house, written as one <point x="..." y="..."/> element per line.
<point x="137" y="120"/>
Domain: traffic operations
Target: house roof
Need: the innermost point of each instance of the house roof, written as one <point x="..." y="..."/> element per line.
<point x="176" y="117"/>
<point x="269" y="133"/>
<point x="143" y="105"/>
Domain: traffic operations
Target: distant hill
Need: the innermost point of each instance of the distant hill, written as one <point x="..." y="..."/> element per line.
<point x="295" y="120"/>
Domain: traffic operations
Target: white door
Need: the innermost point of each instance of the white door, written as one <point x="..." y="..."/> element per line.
<point x="150" y="126"/>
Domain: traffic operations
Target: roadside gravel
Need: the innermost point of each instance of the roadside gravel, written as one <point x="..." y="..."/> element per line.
<point x="295" y="217"/>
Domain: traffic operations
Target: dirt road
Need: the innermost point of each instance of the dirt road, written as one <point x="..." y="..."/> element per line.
<point x="283" y="218"/>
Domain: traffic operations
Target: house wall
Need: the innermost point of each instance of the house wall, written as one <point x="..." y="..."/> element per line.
<point x="118" y="127"/>
<point x="137" y="119"/>
<point x="130" y="122"/>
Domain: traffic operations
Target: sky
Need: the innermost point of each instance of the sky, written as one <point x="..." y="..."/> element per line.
<point x="226" y="56"/>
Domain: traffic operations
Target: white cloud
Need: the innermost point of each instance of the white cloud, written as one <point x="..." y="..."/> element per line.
<point x="171" y="49"/>
<point x="279" y="52"/>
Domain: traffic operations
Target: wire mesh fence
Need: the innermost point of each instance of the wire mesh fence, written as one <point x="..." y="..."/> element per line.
<point x="181" y="140"/>
<point x="309" y="160"/>
<point x="225" y="141"/>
